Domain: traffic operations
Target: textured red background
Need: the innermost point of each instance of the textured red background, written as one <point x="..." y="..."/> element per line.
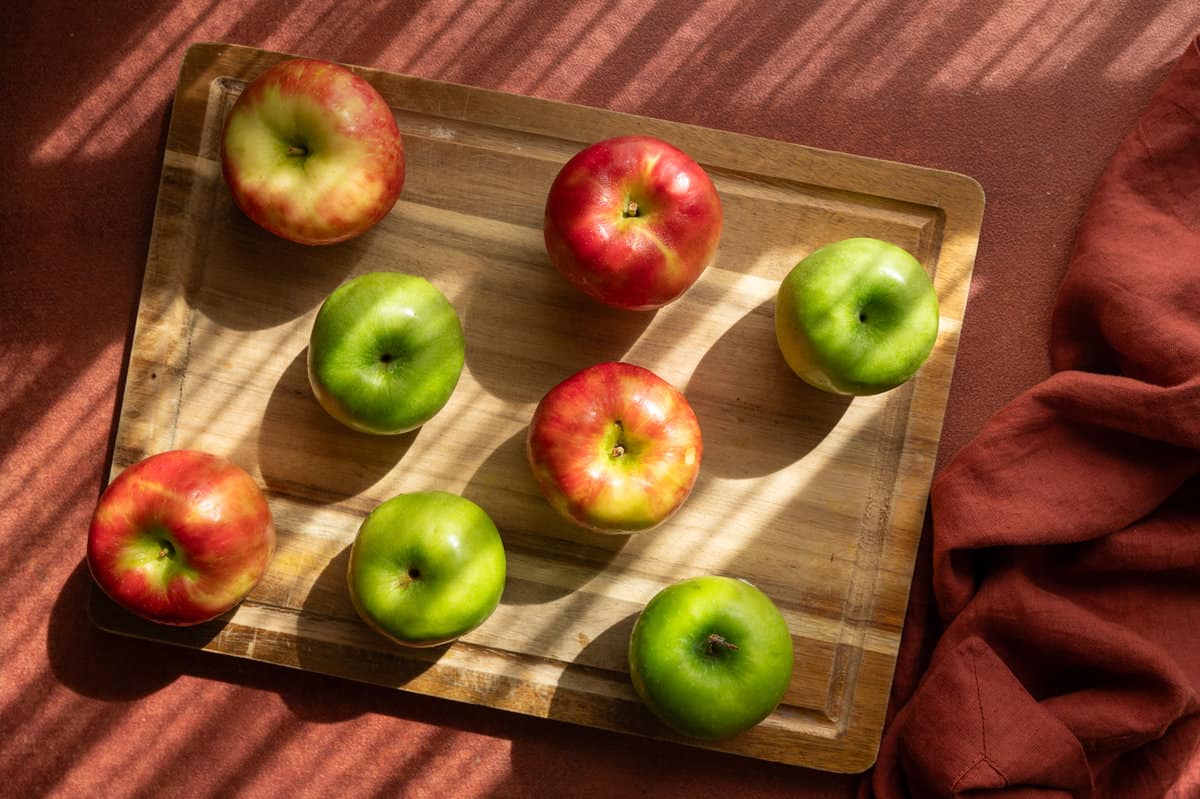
<point x="1028" y="97"/>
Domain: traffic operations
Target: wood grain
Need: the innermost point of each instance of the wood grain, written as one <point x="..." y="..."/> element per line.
<point x="817" y="499"/>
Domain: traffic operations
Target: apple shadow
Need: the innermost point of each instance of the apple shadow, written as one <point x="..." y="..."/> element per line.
<point x="657" y="745"/>
<point x="755" y="414"/>
<point x="521" y="327"/>
<point x="305" y="452"/>
<point x="333" y="640"/>
<point x="608" y="654"/>
<point x="245" y="265"/>
<point x="504" y="487"/>
<point x="92" y="662"/>
<point x="680" y="767"/>
<point x="610" y="649"/>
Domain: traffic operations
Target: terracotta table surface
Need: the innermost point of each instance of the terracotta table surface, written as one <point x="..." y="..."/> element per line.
<point x="1029" y="97"/>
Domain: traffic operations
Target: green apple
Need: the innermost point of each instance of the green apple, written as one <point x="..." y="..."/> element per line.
<point x="385" y="353"/>
<point x="711" y="656"/>
<point x="426" y="568"/>
<point x="858" y="316"/>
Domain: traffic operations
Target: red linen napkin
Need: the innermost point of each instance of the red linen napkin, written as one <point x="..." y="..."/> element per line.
<point x="1066" y="537"/>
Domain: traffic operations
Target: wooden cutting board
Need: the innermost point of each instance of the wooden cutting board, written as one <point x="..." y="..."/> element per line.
<point x="817" y="499"/>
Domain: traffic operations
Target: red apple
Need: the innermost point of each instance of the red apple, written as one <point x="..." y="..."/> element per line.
<point x="615" y="448"/>
<point x="180" y="537"/>
<point x="632" y="222"/>
<point x="312" y="152"/>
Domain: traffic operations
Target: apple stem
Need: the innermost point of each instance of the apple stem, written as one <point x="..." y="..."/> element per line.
<point x="619" y="447"/>
<point x="294" y="150"/>
<point x="714" y="640"/>
<point x="631" y="209"/>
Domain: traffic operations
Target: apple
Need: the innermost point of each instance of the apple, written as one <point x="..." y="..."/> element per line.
<point x="180" y="537"/>
<point x="711" y="656"/>
<point x="858" y="316"/>
<point x="615" y="448"/>
<point x="312" y="153"/>
<point x="426" y="568"/>
<point x="632" y="222"/>
<point x="385" y="352"/>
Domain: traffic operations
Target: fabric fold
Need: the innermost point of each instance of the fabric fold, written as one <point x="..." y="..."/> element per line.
<point x="1066" y="536"/>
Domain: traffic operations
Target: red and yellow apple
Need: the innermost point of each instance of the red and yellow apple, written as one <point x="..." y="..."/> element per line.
<point x="632" y="222"/>
<point x="312" y="153"/>
<point x="615" y="448"/>
<point x="180" y="537"/>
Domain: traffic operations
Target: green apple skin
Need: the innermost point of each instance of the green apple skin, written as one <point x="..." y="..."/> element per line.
<point x="711" y="656"/>
<point x="426" y="568"/>
<point x="859" y="316"/>
<point x="385" y="353"/>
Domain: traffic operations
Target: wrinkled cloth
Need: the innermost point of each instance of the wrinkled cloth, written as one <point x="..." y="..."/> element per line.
<point x="1066" y="536"/>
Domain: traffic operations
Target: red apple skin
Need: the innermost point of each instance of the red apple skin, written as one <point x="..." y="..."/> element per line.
<point x="572" y="448"/>
<point x="217" y="522"/>
<point x="357" y="169"/>
<point x="638" y="262"/>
